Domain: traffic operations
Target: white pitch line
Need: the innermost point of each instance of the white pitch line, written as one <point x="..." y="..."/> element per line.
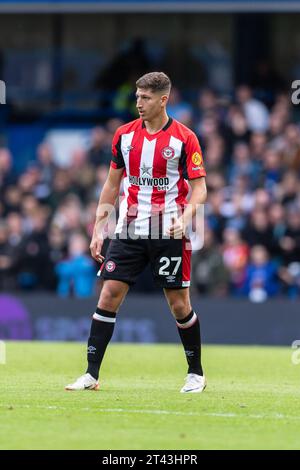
<point x="275" y="416"/>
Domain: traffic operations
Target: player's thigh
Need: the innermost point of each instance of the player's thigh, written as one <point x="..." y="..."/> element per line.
<point x="170" y="262"/>
<point x="124" y="260"/>
<point x="179" y="302"/>
<point x="112" y="295"/>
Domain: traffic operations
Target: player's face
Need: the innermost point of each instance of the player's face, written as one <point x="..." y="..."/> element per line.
<point x="149" y="104"/>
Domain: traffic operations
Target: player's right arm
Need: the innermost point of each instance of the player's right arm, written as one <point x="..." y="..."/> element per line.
<point x="107" y="200"/>
<point x="108" y="196"/>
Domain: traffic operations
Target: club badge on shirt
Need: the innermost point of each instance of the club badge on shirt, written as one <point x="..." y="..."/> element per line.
<point x="168" y="152"/>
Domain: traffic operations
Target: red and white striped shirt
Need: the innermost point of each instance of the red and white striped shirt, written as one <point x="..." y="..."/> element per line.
<point x="156" y="167"/>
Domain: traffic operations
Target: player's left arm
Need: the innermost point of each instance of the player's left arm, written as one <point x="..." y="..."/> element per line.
<point x="198" y="197"/>
<point x="195" y="172"/>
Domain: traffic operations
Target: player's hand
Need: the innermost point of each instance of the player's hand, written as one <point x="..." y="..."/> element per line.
<point x="176" y="229"/>
<point x="96" y="247"/>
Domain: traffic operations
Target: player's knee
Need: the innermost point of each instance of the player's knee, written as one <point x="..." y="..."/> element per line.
<point x="110" y="299"/>
<point x="179" y="308"/>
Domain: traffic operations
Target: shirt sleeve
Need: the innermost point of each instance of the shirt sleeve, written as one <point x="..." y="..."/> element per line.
<point x="193" y="161"/>
<point x="117" y="160"/>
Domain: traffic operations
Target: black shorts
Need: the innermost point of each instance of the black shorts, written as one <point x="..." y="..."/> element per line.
<point x="170" y="261"/>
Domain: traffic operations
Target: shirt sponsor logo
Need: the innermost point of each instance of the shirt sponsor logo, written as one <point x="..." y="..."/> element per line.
<point x="160" y="183"/>
<point x="168" y="152"/>
<point x="197" y="159"/>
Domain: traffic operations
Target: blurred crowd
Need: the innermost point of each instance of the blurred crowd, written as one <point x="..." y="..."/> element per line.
<point x="252" y="215"/>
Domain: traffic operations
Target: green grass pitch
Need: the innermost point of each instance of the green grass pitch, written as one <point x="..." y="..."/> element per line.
<point x="252" y="400"/>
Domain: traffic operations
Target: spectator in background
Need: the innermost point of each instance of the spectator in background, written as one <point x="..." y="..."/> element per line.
<point x="111" y="127"/>
<point x="15" y="230"/>
<point x="58" y="251"/>
<point x="7" y="176"/>
<point x="47" y="169"/>
<point x="290" y="276"/>
<point x="69" y="214"/>
<point x="214" y="217"/>
<point x="236" y="212"/>
<point x="209" y="273"/>
<point x="235" y="257"/>
<point x="207" y="105"/>
<point x="33" y="253"/>
<point x="123" y="102"/>
<point x="76" y="275"/>
<point x="256" y="113"/>
<point x="208" y="130"/>
<point x="261" y="200"/>
<point x="61" y="187"/>
<point x="258" y="145"/>
<point x="289" y="189"/>
<point x="276" y="129"/>
<point x="15" y="236"/>
<point x="214" y="155"/>
<point x="261" y="275"/>
<point x="82" y="174"/>
<point x="101" y="176"/>
<point x="216" y="181"/>
<point x="291" y="147"/>
<point x="99" y="152"/>
<point x="236" y="129"/>
<point x="272" y="169"/>
<point x="179" y="109"/>
<point x="282" y="107"/>
<point x="242" y="165"/>
<point x="290" y="241"/>
<point x="278" y="228"/>
<point x="29" y="207"/>
<point x="258" y="231"/>
<point x="7" y="281"/>
<point x="12" y="198"/>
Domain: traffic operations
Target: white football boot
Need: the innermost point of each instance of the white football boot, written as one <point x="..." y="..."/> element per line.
<point x="194" y="383"/>
<point x="85" y="382"/>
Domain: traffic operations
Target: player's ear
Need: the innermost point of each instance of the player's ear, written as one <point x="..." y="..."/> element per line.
<point x="164" y="99"/>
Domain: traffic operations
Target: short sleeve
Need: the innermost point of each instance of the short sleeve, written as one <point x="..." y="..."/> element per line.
<point x="117" y="160"/>
<point x="194" y="165"/>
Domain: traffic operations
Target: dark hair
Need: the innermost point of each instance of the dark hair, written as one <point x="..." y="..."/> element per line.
<point x="155" y="81"/>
